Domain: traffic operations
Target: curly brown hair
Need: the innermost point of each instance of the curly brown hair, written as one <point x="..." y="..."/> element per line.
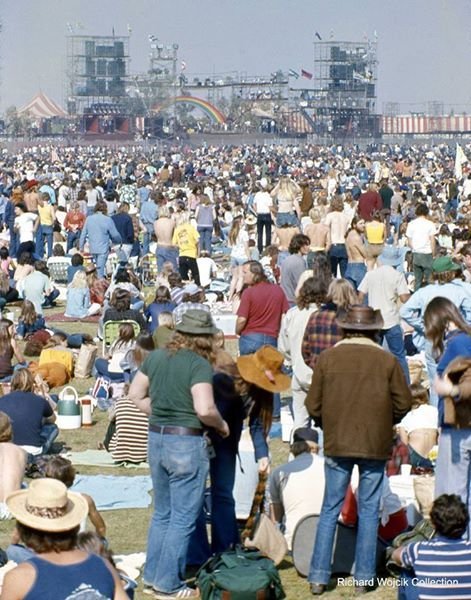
<point x="203" y="345"/>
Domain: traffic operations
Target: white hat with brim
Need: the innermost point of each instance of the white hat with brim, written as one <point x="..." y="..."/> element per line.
<point x="47" y="505"/>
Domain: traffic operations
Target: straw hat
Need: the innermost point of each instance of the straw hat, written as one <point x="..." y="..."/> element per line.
<point x="264" y="369"/>
<point x="47" y="505"/>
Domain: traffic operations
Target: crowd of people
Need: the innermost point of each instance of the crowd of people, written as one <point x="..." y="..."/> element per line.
<point x="341" y="267"/>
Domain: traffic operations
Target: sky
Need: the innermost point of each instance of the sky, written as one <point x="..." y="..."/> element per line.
<point x="424" y="46"/>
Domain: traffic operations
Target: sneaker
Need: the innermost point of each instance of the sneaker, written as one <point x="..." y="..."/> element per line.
<point x="317" y="589"/>
<point x="184" y="593"/>
<point x="148" y="589"/>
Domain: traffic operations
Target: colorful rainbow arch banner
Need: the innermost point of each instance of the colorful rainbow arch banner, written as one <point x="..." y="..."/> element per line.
<point x="209" y="109"/>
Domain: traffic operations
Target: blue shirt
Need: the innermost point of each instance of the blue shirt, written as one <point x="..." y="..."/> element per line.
<point x="78" y="302"/>
<point x="413" y="310"/>
<point x="148" y="213"/>
<point x="124" y="226"/>
<point x="442" y="567"/>
<point x="153" y="311"/>
<point x="457" y="344"/>
<point x="100" y="230"/>
<point x="47" y="189"/>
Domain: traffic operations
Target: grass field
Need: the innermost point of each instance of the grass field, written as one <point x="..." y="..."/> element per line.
<point x="127" y="529"/>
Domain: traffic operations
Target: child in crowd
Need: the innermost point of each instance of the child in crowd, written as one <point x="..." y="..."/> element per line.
<point x="161" y="303"/>
<point x="76" y="264"/>
<point x="78" y="298"/>
<point x="93" y="544"/>
<point x="62" y="469"/>
<point x="24" y="267"/>
<point x="8" y="350"/>
<point x="29" y="321"/>
<point x="111" y="367"/>
<point x="164" y="331"/>
<point x="6" y="263"/>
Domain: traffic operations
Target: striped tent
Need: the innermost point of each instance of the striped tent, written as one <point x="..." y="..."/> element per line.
<point x="42" y="107"/>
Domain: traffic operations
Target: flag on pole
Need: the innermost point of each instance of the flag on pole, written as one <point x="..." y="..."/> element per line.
<point x="306" y="74"/>
<point x="460" y="160"/>
<point x="293" y="73"/>
<point x="182" y="65"/>
<point x="317" y="34"/>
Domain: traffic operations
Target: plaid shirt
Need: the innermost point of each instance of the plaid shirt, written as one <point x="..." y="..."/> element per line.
<point x="321" y="333"/>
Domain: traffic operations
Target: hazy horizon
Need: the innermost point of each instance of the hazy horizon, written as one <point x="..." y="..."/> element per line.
<point x="423" y="45"/>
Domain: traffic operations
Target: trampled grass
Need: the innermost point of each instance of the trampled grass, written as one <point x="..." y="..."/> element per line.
<point x="127" y="529"/>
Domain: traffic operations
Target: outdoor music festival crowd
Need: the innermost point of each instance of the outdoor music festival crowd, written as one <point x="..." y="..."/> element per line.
<point x="345" y="274"/>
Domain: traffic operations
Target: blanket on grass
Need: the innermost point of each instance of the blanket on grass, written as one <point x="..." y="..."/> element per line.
<point x="61" y="318"/>
<point x="113" y="493"/>
<point x="100" y="458"/>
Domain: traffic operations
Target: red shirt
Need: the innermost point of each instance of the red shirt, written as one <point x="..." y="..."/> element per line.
<point x="263" y="305"/>
<point x="368" y="203"/>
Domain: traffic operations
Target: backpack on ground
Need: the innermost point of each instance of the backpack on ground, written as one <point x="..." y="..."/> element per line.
<point x="240" y="574"/>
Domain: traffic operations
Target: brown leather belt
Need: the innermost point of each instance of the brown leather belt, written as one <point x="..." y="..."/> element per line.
<point x="174" y="430"/>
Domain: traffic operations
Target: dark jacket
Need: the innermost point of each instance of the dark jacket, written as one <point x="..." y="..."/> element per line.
<point x="358" y="392"/>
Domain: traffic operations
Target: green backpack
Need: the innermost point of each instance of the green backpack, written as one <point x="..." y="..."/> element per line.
<point x="239" y="574"/>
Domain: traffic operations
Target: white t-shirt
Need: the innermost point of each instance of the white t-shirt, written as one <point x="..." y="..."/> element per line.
<point x="263" y="203"/>
<point x="384" y="285"/>
<point x="299" y="487"/>
<point x="238" y="250"/>
<point x="25" y="225"/>
<point x="206" y="268"/>
<point x="419" y="231"/>
<point x="424" y="416"/>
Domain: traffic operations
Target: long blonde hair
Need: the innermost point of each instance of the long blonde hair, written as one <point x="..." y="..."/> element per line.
<point x="79" y="280"/>
<point x="341" y="293"/>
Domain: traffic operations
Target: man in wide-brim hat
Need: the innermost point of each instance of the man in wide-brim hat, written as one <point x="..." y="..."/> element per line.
<point x="48" y="518"/>
<point x="358" y="392"/>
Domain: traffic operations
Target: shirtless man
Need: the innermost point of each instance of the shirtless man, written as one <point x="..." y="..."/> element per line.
<point x="163" y="229"/>
<point x="31" y="197"/>
<point x="317" y="232"/>
<point x="356" y="252"/>
<point x="284" y="235"/>
<point x="12" y="462"/>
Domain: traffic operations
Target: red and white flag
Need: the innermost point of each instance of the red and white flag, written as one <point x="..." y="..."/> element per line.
<point x="306" y="74"/>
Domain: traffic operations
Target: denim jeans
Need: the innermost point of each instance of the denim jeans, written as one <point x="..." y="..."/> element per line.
<point x="146" y="238"/>
<point x="39" y="242"/>
<point x="453" y="469"/>
<point x="395" y="339"/>
<point x="47" y="435"/>
<point x="101" y="367"/>
<point x="338" y="258"/>
<point x="47" y="236"/>
<point x="166" y="254"/>
<point x="431" y="365"/>
<point x="100" y="263"/>
<point x="72" y="236"/>
<point x="355" y="272"/>
<point x="263" y="224"/>
<point x="337" y="477"/>
<point x="206" y="235"/>
<point x="224" y="531"/>
<point x="250" y="343"/>
<point x="14" y="243"/>
<point x="179" y="467"/>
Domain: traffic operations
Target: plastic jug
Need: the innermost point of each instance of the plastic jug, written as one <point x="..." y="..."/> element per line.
<point x="68" y="409"/>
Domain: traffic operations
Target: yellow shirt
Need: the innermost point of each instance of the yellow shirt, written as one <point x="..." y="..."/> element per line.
<point x="374" y="233"/>
<point x="186" y="238"/>
<point x="46" y="214"/>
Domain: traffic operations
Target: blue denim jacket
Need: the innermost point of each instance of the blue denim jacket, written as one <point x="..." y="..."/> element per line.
<point x="100" y="230"/>
<point x="413" y="310"/>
